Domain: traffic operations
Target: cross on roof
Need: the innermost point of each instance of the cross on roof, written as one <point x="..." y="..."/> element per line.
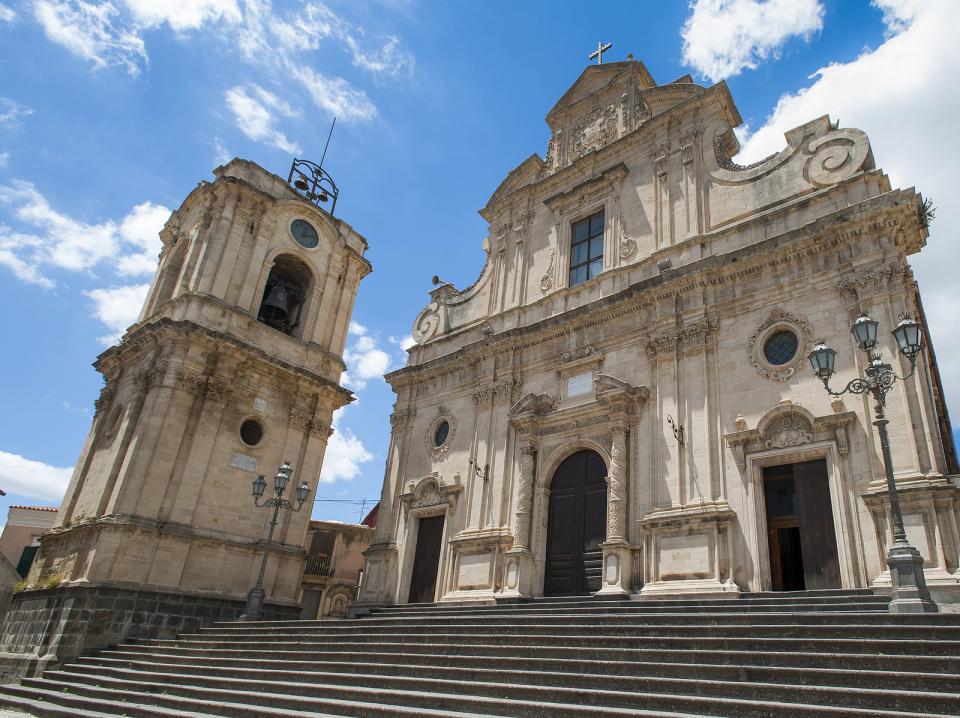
<point x="598" y="53"/>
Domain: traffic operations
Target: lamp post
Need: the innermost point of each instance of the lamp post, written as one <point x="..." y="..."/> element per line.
<point x="254" y="607"/>
<point x="909" y="588"/>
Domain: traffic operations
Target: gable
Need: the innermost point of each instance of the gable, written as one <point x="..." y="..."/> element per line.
<point x="596" y="78"/>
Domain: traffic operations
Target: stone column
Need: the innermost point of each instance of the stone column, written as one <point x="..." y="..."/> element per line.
<point x="616" y="549"/>
<point x="518" y="563"/>
<point x="616" y="486"/>
<point x="521" y="533"/>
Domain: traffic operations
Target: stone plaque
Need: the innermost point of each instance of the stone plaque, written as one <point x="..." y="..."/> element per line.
<point x="260" y="405"/>
<point x="244" y="463"/>
<point x="916" y="530"/>
<point x="580" y="384"/>
<point x="474" y="571"/>
<point x="685" y="556"/>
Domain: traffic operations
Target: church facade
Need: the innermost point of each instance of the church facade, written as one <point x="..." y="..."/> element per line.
<point x="622" y="404"/>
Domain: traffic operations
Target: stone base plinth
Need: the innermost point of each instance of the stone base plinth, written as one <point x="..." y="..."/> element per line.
<point x="47" y="627"/>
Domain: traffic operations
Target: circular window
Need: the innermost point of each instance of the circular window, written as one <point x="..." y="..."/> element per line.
<point x="304" y="233"/>
<point x="441" y="433"/>
<point x="251" y="432"/>
<point x="781" y="347"/>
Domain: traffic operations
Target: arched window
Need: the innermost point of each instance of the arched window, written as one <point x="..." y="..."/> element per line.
<point x="285" y="294"/>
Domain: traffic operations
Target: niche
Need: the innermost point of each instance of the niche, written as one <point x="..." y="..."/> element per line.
<point x="284" y="295"/>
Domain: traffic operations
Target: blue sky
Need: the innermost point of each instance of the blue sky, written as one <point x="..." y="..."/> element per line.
<point x="111" y="111"/>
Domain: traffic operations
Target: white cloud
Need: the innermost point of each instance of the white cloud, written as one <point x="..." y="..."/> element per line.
<point x="335" y="95"/>
<point x="345" y="452"/>
<point x="356" y="328"/>
<point x="183" y="14"/>
<point x="903" y="95"/>
<point x="254" y="110"/>
<point x="52" y="238"/>
<point x="723" y="37"/>
<point x="221" y="155"/>
<point x="118" y="308"/>
<point x="404" y="343"/>
<point x="33" y="479"/>
<point x="87" y="30"/>
<point x="7" y="14"/>
<point x="4" y="158"/>
<point x="365" y="359"/>
<point x="11" y="111"/>
<point x="391" y="59"/>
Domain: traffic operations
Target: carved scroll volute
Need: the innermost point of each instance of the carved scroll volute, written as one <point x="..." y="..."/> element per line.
<point x="521" y="537"/>
<point x="616" y="483"/>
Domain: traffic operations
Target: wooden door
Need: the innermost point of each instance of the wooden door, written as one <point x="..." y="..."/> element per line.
<point x="426" y="560"/>
<point x="821" y="566"/>
<point x="576" y="526"/>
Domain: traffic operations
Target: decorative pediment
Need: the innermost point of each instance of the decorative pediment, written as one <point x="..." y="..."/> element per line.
<point x="525" y="173"/>
<point x="431" y="491"/>
<point x="789" y="425"/>
<point x="589" y="191"/>
<point x="534" y="403"/>
<point x="597" y="78"/>
<point x="607" y="386"/>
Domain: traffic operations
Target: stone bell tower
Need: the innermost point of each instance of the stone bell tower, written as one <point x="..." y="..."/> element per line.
<point x="232" y="368"/>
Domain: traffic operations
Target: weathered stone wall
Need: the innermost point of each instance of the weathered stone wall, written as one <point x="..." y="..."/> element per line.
<point x="46" y="627"/>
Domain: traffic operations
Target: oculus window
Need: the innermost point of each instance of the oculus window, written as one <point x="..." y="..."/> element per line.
<point x="586" y="249"/>
<point x="781" y="347"/>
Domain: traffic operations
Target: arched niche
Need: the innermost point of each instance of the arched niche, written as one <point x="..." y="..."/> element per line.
<point x="284" y="303"/>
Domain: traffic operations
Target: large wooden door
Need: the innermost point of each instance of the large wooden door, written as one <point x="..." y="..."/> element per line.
<point x="576" y="526"/>
<point x="821" y="567"/>
<point x="426" y="560"/>
<point x="800" y="530"/>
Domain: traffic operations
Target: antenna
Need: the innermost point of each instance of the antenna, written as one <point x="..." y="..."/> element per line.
<point x="329" y="135"/>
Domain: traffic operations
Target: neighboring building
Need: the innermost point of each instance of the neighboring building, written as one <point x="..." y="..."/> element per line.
<point x="333" y="569"/>
<point x="232" y="369"/>
<point x="622" y="403"/>
<point x="21" y="535"/>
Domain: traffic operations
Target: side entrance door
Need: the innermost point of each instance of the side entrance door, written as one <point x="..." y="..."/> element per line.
<point x="576" y="526"/>
<point x="801" y="534"/>
<point x="426" y="560"/>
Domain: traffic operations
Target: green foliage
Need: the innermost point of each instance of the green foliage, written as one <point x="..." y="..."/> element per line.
<point x="51" y="580"/>
<point x="926" y="212"/>
<point x="21" y="586"/>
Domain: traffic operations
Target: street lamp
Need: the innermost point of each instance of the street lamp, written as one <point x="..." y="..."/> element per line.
<point x="254" y="608"/>
<point x="909" y="588"/>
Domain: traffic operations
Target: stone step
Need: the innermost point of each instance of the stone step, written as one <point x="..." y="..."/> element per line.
<point x="56" y="701"/>
<point x="891" y="621"/>
<point x="645" y="608"/>
<point x="498" y="699"/>
<point x="944" y="625"/>
<point x="618" y="691"/>
<point x="580" y="626"/>
<point x="722" y="604"/>
<point x="585" y="639"/>
<point x="569" y="673"/>
<point x="555" y="655"/>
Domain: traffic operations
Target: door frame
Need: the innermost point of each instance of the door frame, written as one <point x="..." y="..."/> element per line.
<point x="410" y="550"/>
<point x="758" y="538"/>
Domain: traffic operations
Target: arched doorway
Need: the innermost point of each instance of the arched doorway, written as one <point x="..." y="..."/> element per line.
<point x="576" y="526"/>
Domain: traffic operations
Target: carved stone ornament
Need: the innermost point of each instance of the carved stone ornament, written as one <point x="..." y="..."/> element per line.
<point x="874" y="281"/>
<point x="595" y="130"/>
<point x="627" y="245"/>
<point x="693" y="332"/>
<point x="438" y="452"/>
<point x="546" y="282"/>
<point x="789" y="430"/>
<point x="778" y="320"/>
<point x="427" y="323"/>
<point x="581" y="353"/>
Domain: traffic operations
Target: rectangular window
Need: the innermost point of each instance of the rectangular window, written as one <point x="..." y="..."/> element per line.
<point x="580" y="384"/>
<point x="586" y="249"/>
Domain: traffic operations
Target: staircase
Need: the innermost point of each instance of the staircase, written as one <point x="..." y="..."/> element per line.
<point x="826" y="653"/>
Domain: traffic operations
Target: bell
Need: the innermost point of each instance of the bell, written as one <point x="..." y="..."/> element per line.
<point x="274" y="307"/>
<point x="323" y="196"/>
<point x="301" y="183"/>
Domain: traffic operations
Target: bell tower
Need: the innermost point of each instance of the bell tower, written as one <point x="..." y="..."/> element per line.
<point x="232" y="368"/>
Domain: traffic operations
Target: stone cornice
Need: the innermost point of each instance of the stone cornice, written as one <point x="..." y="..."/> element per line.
<point x="884" y="212"/>
<point x="165" y="330"/>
